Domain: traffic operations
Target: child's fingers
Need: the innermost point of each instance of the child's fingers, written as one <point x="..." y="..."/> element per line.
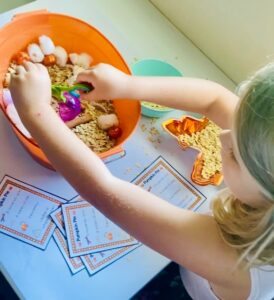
<point x="41" y="67"/>
<point x="91" y="96"/>
<point x="85" y="76"/>
<point x="87" y="96"/>
<point x="29" y="66"/>
<point x="20" y="70"/>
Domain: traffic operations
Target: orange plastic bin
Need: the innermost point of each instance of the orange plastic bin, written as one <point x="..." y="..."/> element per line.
<point x="75" y="36"/>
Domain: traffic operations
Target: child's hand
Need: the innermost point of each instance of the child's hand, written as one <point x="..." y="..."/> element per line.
<point x="108" y="82"/>
<point x="30" y="88"/>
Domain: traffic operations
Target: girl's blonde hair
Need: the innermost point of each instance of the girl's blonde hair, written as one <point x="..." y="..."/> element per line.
<point x="248" y="229"/>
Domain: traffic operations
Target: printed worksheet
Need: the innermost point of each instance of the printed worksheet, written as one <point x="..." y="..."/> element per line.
<point x="75" y="264"/>
<point x="164" y="181"/>
<point x="89" y="231"/>
<point x="57" y="218"/>
<point x="97" y="261"/>
<point x="25" y="212"/>
<point x="93" y="262"/>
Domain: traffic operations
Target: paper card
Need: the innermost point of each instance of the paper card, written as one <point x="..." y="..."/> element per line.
<point x="89" y="231"/>
<point x="57" y="218"/>
<point x="25" y="210"/>
<point x="97" y="261"/>
<point x="163" y="180"/>
<point x="75" y="264"/>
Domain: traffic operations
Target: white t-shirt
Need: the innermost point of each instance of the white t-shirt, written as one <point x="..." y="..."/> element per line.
<point x="262" y="284"/>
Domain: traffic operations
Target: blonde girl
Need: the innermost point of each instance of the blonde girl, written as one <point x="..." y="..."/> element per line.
<point x="219" y="253"/>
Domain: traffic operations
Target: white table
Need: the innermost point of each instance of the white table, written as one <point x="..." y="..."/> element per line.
<point x="36" y="274"/>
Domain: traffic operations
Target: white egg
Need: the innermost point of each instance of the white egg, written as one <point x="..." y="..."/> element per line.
<point x="84" y="60"/>
<point x="35" y="53"/>
<point x="7" y="97"/>
<point x="107" y="121"/>
<point x="13" y="115"/>
<point x="74" y="58"/>
<point x="61" y="56"/>
<point x="46" y="44"/>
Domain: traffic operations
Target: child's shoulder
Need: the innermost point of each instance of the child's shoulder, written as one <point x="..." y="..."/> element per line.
<point x="223" y="109"/>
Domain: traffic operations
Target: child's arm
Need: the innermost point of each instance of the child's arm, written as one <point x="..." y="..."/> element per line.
<point x="188" y="238"/>
<point x="197" y="95"/>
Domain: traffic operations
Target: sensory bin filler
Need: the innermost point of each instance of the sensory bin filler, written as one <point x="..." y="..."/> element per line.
<point x="66" y="46"/>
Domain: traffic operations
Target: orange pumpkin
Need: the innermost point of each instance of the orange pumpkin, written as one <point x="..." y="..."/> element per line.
<point x="20" y="57"/>
<point x="49" y="60"/>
